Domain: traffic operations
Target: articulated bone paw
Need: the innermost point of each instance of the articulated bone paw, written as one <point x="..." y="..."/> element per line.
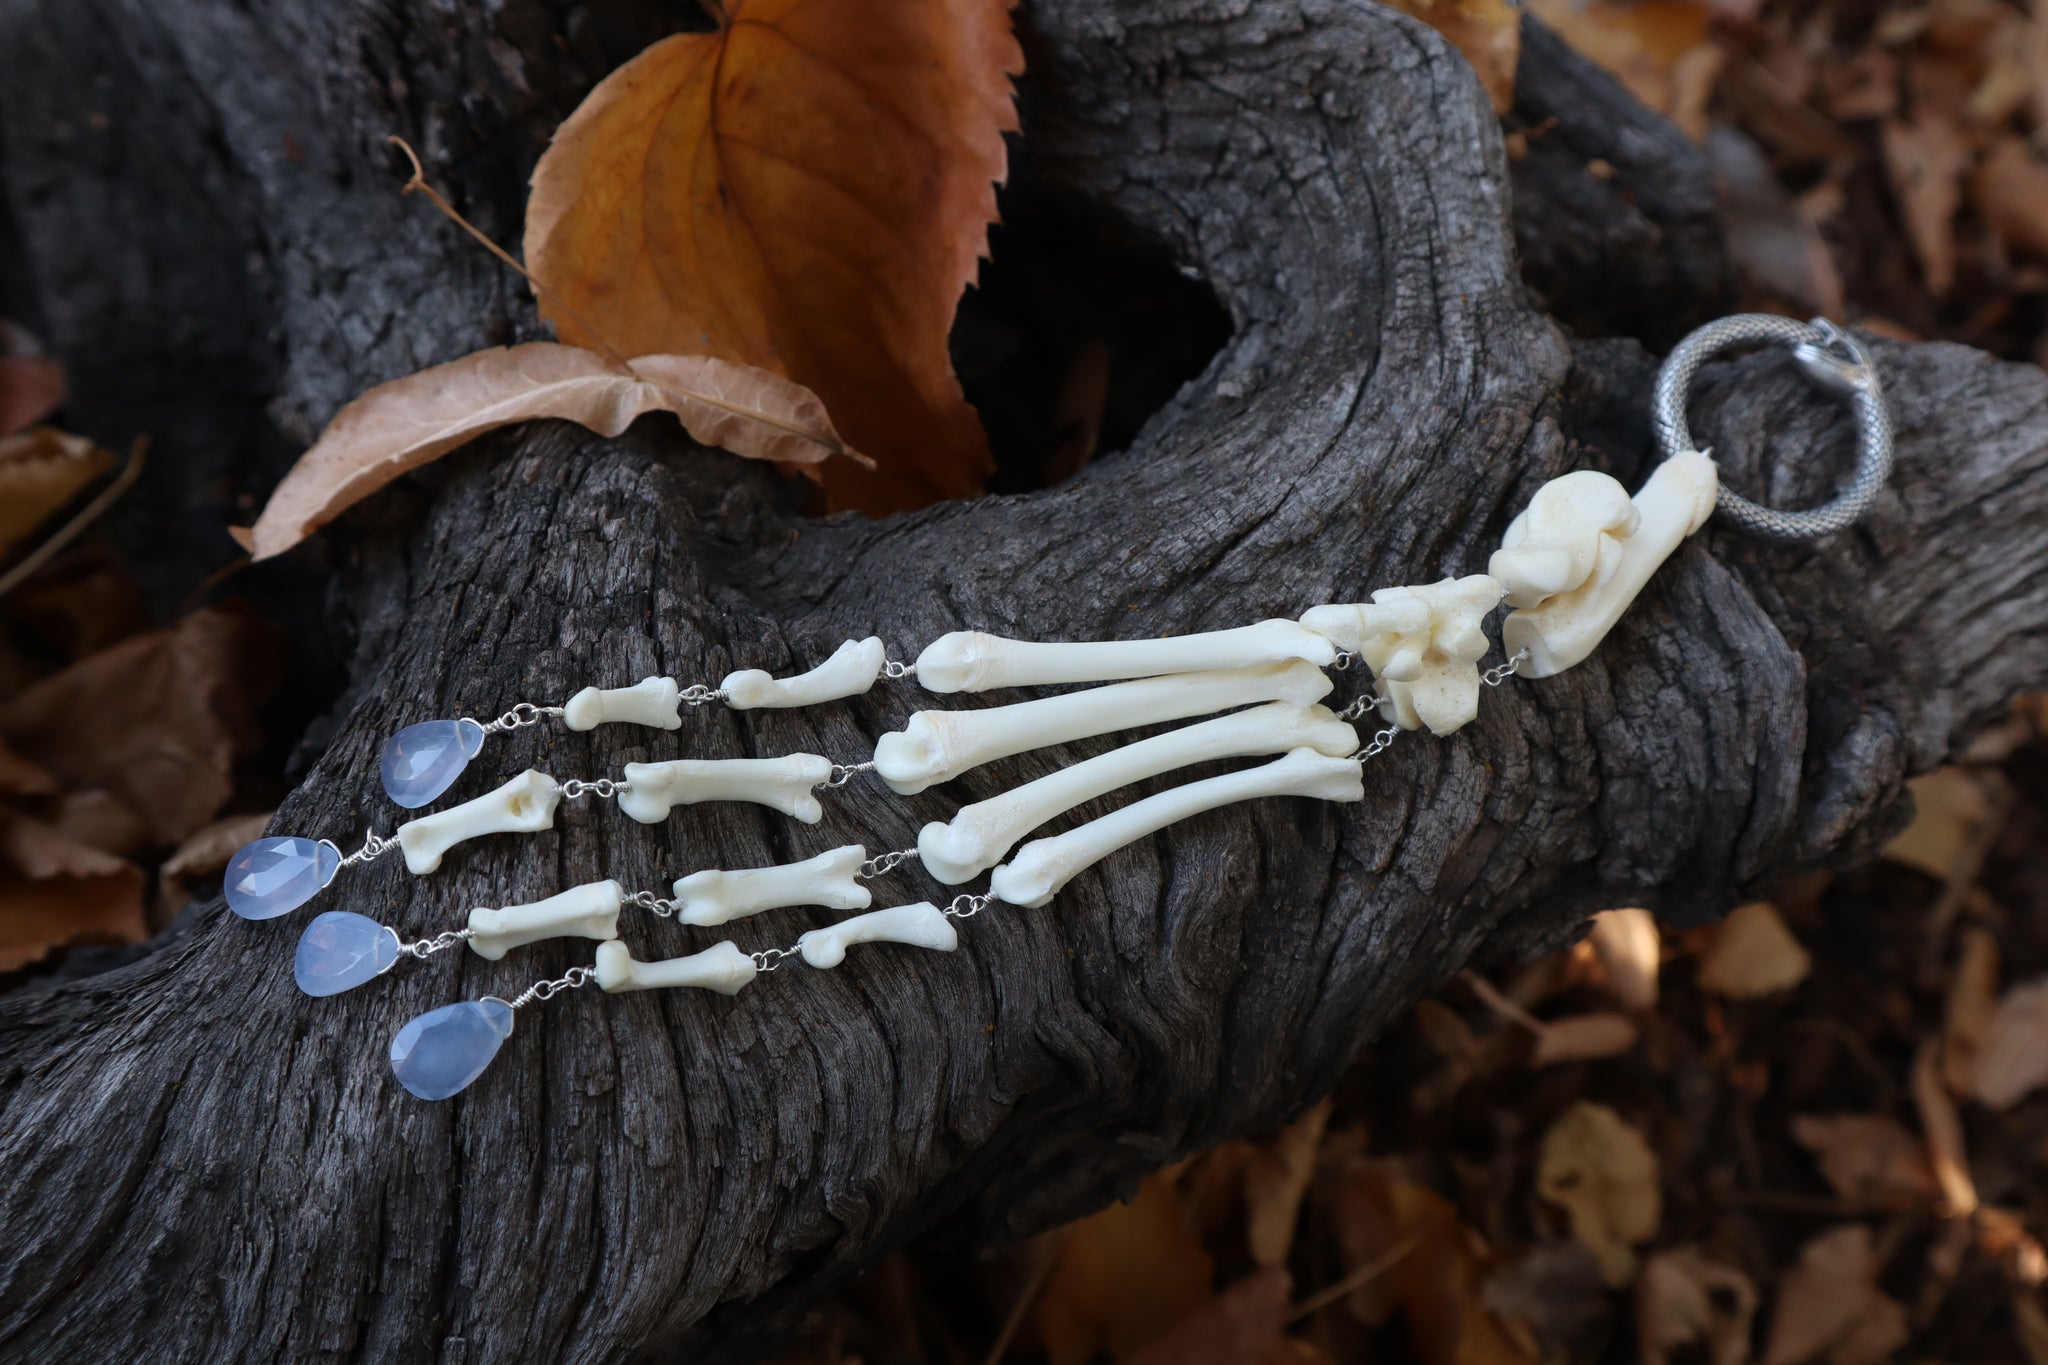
<point x="1570" y="533"/>
<point x="1423" y="644"/>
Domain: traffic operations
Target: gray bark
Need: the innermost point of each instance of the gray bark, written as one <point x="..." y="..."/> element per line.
<point x="202" y="1164"/>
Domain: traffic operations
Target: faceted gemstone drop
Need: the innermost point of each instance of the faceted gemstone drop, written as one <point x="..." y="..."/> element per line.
<point x="443" y="1050"/>
<point x="273" y="877"/>
<point x="340" y="951"/>
<point x="422" y="761"/>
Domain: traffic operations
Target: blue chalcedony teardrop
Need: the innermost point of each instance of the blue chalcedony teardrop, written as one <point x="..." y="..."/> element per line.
<point x="422" y="761"/>
<point x="443" y="1050"/>
<point x="276" y="876"/>
<point x="340" y="951"/>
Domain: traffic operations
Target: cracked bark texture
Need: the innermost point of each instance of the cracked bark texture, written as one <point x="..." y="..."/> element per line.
<point x="202" y="1164"/>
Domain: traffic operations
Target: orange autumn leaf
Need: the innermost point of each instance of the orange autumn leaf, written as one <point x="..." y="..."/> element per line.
<point x="408" y="422"/>
<point x="807" y="190"/>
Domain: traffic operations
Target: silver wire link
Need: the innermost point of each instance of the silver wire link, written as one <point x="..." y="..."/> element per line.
<point x="967" y="907"/>
<point x="1500" y="673"/>
<point x="525" y="713"/>
<point x="843" y="773"/>
<point x="892" y="668"/>
<point x="603" y="787"/>
<point x="374" y="844"/>
<point x="1380" y="743"/>
<point x="1836" y="363"/>
<point x="697" y="694"/>
<point x="427" y="947"/>
<point x="647" y="900"/>
<point x="1345" y="658"/>
<point x="548" y="990"/>
<point x="768" y="959"/>
<point x="1361" y="707"/>
<point x="885" y="863"/>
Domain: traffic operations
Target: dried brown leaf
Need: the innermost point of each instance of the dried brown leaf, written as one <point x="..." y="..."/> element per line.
<point x="1685" y="1300"/>
<point x="2014" y="1057"/>
<point x="408" y="422"/>
<point x="205" y="852"/>
<point x="1599" y="1170"/>
<point x="1829" y="1305"/>
<point x="1972" y="1001"/>
<point x="54" y="891"/>
<point x="1944" y="1128"/>
<point x="19" y="777"/>
<point x="1949" y="808"/>
<point x="1752" y="953"/>
<point x="1630" y="950"/>
<point x="2010" y="193"/>
<point x="807" y="190"/>
<point x="41" y="471"/>
<point x="1869" y="1159"/>
<point x="1642" y="44"/>
<point x="1242" y="1324"/>
<point x="1583" y="1038"/>
<point x="1125" y="1276"/>
<point x="186" y="701"/>
<point x="1276" y="1177"/>
<point x="1487" y="32"/>
<point x="1925" y="159"/>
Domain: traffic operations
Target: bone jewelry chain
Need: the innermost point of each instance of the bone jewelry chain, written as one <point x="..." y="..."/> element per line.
<point x="1568" y="567"/>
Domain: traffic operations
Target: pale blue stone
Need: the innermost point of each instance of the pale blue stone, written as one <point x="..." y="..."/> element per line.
<point x="443" y="1050"/>
<point x="340" y="951"/>
<point x="276" y="876"/>
<point x="422" y="761"/>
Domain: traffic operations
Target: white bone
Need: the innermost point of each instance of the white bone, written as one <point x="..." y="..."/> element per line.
<point x="922" y="925"/>
<point x="938" y="746"/>
<point x="969" y="661"/>
<point x="1673" y="503"/>
<point x="1422" y="643"/>
<point x="829" y="880"/>
<point x="652" y="789"/>
<point x="850" y="671"/>
<point x="651" y="701"/>
<point x="979" y="836"/>
<point x="589" y="911"/>
<point x="1043" y="866"/>
<point x="1571" y="529"/>
<point x="525" y="805"/>
<point x="722" y="967"/>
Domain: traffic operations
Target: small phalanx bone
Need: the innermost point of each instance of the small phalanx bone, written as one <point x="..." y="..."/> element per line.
<point x="830" y="880"/>
<point x="722" y="967"/>
<point x="588" y="911"/>
<point x="651" y="701"/>
<point x="1423" y="645"/>
<point x="969" y="661"/>
<point x="525" y="805"/>
<point x="1562" y="628"/>
<point x="977" y="838"/>
<point x="850" y="671"/>
<point x="1043" y="866"/>
<point x="938" y="746"/>
<point x="922" y="925"/>
<point x="653" y="789"/>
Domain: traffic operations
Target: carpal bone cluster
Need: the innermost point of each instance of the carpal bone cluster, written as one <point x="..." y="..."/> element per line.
<point x="1254" y="696"/>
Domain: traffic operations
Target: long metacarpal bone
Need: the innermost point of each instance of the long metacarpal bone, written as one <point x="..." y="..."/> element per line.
<point x="1565" y="628"/>
<point x="970" y="661"/>
<point x="651" y="701"/>
<point x="1571" y="531"/>
<point x="1422" y="643"/>
<point x="525" y="805"/>
<point x="588" y="911"/>
<point x="830" y="880"/>
<point x="722" y="967"/>
<point x="850" y="671"/>
<point x="977" y="838"/>
<point x="938" y="746"/>
<point x="1043" y="866"/>
<point x="653" y="789"/>
<point x="922" y="925"/>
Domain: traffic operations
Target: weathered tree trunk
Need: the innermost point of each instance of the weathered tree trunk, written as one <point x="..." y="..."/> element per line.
<point x="199" y="1163"/>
